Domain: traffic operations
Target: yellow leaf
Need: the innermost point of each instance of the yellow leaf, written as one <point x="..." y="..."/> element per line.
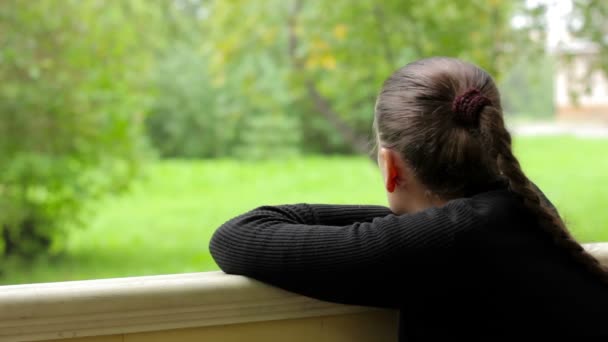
<point x="340" y="31"/>
<point x="319" y="44"/>
<point x="269" y="36"/>
<point x="312" y="62"/>
<point x="218" y="59"/>
<point x="328" y="62"/>
<point x="298" y="30"/>
<point x="219" y="80"/>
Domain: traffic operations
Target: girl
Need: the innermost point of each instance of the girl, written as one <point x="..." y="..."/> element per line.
<point x="469" y="248"/>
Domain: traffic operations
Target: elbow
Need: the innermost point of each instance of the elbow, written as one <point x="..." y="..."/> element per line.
<point x="219" y="250"/>
<point x="224" y="249"/>
<point x="231" y="255"/>
<point x="229" y="249"/>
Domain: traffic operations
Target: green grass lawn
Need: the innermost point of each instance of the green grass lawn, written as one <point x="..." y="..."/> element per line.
<point x="164" y="223"/>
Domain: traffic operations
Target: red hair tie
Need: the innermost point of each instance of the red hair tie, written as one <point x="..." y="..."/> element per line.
<point x="468" y="105"/>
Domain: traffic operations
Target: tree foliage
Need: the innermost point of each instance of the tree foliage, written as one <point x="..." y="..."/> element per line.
<point x="285" y="76"/>
<point x="589" y="22"/>
<point x="70" y="112"/>
<point x="324" y="62"/>
<point x="206" y="78"/>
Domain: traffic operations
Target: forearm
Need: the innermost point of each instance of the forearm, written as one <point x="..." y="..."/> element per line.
<point x="336" y="214"/>
<point x="352" y="263"/>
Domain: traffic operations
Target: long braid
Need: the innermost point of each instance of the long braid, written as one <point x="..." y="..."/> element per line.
<point x="496" y="135"/>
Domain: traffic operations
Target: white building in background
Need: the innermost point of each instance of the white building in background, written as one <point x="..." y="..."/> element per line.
<point x="573" y="76"/>
<point x="592" y="105"/>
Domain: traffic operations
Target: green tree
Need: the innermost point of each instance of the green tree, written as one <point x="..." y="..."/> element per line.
<point x="71" y="104"/>
<point x="185" y="119"/>
<point x="318" y="61"/>
<point x="527" y="89"/>
<point x="588" y="22"/>
<point x="587" y="26"/>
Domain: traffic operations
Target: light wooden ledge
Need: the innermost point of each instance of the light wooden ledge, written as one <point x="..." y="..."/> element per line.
<point x="37" y="312"/>
<point x="123" y="305"/>
<point x="599" y="251"/>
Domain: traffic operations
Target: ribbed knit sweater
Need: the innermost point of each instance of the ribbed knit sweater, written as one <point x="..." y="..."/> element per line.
<point x="477" y="268"/>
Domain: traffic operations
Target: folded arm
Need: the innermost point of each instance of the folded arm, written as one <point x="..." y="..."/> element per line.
<point x="363" y="255"/>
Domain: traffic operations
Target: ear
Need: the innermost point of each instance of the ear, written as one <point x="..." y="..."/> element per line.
<point x="390" y="167"/>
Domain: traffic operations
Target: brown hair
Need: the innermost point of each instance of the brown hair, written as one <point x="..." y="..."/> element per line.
<point x="444" y="116"/>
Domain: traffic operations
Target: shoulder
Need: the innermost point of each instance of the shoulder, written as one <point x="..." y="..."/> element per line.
<point x="496" y="205"/>
<point x="483" y="208"/>
<point x="503" y="225"/>
<point x="486" y="216"/>
<point x="440" y="227"/>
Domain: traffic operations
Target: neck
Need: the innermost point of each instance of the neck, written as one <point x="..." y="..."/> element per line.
<point x="427" y="200"/>
<point x="413" y="201"/>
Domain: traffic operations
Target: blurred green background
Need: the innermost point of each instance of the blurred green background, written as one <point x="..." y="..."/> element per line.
<point x="131" y="129"/>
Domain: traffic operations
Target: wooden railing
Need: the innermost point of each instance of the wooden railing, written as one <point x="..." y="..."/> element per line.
<point x="210" y="306"/>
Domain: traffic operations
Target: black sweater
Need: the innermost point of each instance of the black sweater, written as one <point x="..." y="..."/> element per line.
<point x="475" y="269"/>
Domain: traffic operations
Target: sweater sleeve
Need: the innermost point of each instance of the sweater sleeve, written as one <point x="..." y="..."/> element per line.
<point x="361" y="255"/>
<point x="340" y="214"/>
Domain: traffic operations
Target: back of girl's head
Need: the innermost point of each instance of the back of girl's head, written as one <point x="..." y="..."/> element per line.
<point x="444" y="117"/>
<point x="415" y="115"/>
